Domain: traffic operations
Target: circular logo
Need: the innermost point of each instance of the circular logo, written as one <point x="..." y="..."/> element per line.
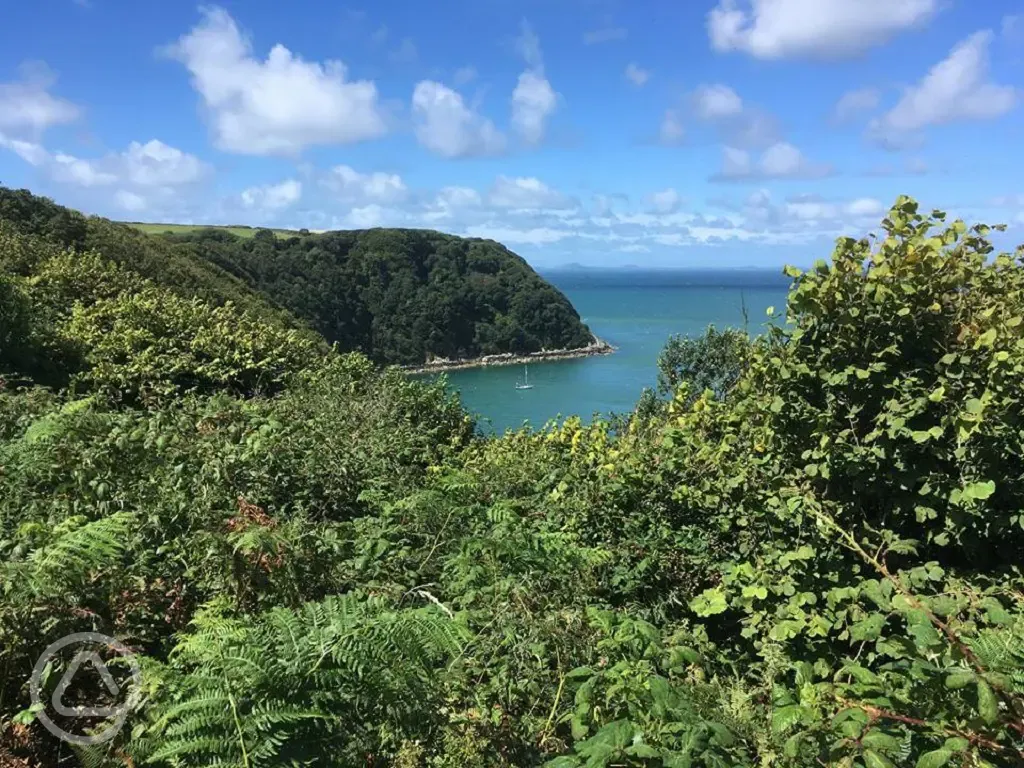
<point x="104" y="706"/>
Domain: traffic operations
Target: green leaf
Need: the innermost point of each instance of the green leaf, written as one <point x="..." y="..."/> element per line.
<point x="874" y="760"/>
<point x="709" y="602"/>
<point x="988" y="708"/>
<point x="960" y="679"/>
<point x="980" y="490"/>
<point x="935" y="759"/>
<point x="987" y="339"/>
<point x="785" y="718"/>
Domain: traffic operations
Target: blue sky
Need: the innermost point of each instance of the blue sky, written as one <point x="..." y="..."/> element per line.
<point x="698" y="133"/>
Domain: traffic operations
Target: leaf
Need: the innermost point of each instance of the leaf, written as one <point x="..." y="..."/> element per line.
<point x="709" y="602"/>
<point x="988" y="708"/>
<point x="987" y="339"/>
<point x="980" y="490"/>
<point x="935" y="759"/>
<point x="785" y="718"/>
<point x="960" y="679"/>
<point x="874" y="760"/>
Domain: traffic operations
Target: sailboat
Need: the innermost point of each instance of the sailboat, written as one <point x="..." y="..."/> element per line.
<point x="525" y="383"/>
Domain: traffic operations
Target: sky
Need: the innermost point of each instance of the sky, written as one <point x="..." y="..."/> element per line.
<point x="702" y="133"/>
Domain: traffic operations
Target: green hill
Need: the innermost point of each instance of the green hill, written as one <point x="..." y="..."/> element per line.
<point x="399" y="296"/>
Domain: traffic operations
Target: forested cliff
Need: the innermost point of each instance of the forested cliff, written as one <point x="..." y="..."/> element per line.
<point x="397" y="295"/>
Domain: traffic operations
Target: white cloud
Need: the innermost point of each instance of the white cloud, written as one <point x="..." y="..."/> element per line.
<point x="666" y="201"/>
<point x="637" y="75"/>
<point x="447" y="127"/>
<point x="366" y="217"/>
<point x="29" y="151"/>
<point x="957" y="88"/>
<point x="528" y="46"/>
<point x="780" y="161"/>
<point x="737" y="124"/>
<point x="714" y="102"/>
<point x="131" y="180"/>
<point x="671" y="130"/>
<point x="150" y="165"/>
<point x="854" y="103"/>
<point x="156" y="164"/>
<point x="604" y="35"/>
<point x="379" y="187"/>
<point x="532" y="236"/>
<point x="130" y="201"/>
<point x="526" y="194"/>
<point x="533" y="100"/>
<point x="458" y="197"/>
<point x="865" y="206"/>
<point x="862" y="210"/>
<point x="450" y="202"/>
<point x="28" y="106"/>
<point x="776" y="29"/>
<point x="277" y="106"/>
<point x="83" y="173"/>
<point x="273" y="197"/>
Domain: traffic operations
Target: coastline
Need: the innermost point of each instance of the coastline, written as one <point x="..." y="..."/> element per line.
<point x="597" y="347"/>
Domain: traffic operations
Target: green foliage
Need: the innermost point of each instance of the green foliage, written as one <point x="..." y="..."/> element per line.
<point x="713" y="361"/>
<point x="359" y="676"/>
<point x="821" y="567"/>
<point x="154" y="344"/>
<point x="402" y="296"/>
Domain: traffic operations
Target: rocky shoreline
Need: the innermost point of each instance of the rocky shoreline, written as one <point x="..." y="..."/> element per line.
<point x="598" y="347"/>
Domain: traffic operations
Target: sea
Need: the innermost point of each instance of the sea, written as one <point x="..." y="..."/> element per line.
<point x="636" y="310"/>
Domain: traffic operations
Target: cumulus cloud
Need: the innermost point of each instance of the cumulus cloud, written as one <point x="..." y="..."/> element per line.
<point x="129" y="201"/>
<point x="348" y="184"/>
<point x="280" y="105"/>
<point x="714" y="102"/>
<point x="777" y="29"/>
<point x="855" y="103"/>
<point x="151" y="165"/>
<point x="447" y="127"/>
<point x="29" y="151"/>
<point x="526" y="194"/>
<point x="780" y="161"/>
<point x="27" y="107"/>
<point x="955" y="89"/>
<point x="637" y="75"/>
<point x="131" y="179"/>
<point x="737" y="124"/>
<point x="665" y="201"/>
<point x="273" y="197"/>
<point x="533" y="100"/>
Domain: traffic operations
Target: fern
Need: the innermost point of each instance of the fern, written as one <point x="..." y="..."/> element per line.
<point x="290" y="686"/>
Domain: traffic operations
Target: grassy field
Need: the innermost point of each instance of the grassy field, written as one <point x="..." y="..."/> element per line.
<point x="159" y="229"/>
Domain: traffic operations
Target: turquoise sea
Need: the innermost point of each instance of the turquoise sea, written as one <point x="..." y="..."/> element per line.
<point x="635" y="310"/>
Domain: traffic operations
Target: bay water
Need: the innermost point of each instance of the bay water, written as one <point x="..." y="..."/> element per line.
<point x="635" y="310"/>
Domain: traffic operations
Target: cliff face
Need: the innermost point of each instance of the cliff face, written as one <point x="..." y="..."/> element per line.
<point x="401" y="295"/>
